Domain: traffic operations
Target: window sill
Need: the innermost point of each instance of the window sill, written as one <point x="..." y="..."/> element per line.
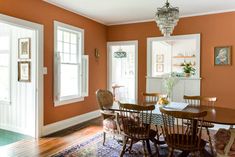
<point x="68" y="101"/>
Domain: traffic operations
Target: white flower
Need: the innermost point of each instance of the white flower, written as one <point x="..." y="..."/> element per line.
<point x="169" y="83"/>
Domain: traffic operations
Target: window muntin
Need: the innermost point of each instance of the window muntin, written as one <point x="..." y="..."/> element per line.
<point x="69" y="62"/>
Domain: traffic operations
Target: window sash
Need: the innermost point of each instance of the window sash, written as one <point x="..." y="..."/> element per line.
<point x="59" y="99"/>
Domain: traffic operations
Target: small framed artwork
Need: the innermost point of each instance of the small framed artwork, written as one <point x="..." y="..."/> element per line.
<point x="160" y="68"/>
<point x="223" y="55"/>
<point x="24" y="48"/>
<point x="160" y="58"/>
<point x="24" y="72"/>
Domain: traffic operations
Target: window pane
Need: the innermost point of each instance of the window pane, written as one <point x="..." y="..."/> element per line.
<point x="66" y="58"/>
<point x="59" y="46"/>
<point x="73" y="49"/>
<point x="69" y="80"/>
<point x="66" y="37"/>
<point x="74" y="59"/>
<point x="73" y="38"/>
<point x="66" y="48"/>
<point x="60" y="35"/>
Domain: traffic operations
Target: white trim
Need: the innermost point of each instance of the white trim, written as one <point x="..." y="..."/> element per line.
<point x="208" y="13"/>
<point x="176" y="37"/>
<point x="109" y="65"/>
<point x="183" y="16"/>
<point x="57" y="126"/>
<point x="39" y="65"/>
<point x="76" y="12"/>
<point x="131" y="22"/>
<point x="136" y="21"/>
<point x="67" y="101"/>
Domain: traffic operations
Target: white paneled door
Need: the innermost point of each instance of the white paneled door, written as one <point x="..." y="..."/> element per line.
<point x="122" y="69"/>
<point x="18" y="84"/>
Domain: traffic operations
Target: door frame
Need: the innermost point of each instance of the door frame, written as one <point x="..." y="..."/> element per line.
<point x="38" y="28"/>
<point x="109" y="64"/>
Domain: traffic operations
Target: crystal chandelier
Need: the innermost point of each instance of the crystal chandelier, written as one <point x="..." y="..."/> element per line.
<point x="167" y="18"/>
<point x="120" y="54"/>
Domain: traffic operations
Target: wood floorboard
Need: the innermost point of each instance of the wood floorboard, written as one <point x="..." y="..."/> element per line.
<point x="53" y="143"/>
<point x="49" y="145"/>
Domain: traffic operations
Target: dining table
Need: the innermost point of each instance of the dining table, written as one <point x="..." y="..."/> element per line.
<point x="215" y="114"/>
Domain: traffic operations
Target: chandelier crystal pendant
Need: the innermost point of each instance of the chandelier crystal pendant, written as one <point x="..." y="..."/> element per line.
<point x="120" y="54"/>
<point x="167" y="18"/>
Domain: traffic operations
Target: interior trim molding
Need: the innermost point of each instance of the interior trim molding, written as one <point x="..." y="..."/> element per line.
<point x="183" y="16"/>
<point x="57" y="126"/>
<point x="137" y="21"/>
<point x="75" y="12"/>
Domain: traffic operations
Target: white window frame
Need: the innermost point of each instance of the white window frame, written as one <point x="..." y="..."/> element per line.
<point x="176" y="37"/>
<point x="69" y="99"/>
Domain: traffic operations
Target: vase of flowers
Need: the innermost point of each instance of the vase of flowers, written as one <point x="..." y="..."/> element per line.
<point x="169" y="83"/>
<point x="188" y="69"/>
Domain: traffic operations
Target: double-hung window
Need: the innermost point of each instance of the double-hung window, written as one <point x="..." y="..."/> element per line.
<point x="71" y="65"/>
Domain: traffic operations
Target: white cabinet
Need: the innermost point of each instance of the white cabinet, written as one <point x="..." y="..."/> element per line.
<point x="184" y="86"/>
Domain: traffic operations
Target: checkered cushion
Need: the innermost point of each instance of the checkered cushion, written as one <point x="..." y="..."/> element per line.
<point x="221" y="139"/>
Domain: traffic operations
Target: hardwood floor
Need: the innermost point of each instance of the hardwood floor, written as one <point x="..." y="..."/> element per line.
<point x="51" y="144"/>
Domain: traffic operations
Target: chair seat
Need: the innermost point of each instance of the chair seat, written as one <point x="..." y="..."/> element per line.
<point x="109" y="124"/>
<point x="181" y="140"/>
<point x="222" y="137"/>
<point x="140" y="133"/>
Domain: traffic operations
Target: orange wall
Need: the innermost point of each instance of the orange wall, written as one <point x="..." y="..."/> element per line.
<point x="215" y="30"/>
<point x="95" y="37"/>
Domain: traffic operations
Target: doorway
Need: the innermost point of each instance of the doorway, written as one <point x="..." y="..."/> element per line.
<point x="21" y="79"/>
<point x="123" y="69"/>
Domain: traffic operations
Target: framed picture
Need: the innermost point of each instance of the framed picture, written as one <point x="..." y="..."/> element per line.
<point x="160" y="68"/>
<point x="222" y="55"/>
<point x="160" y="58"/>
<point x="24" y="48"/>
<point x="24" y="72"/>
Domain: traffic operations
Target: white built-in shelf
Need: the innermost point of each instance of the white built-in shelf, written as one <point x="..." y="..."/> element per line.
<point x="183" y="57"/>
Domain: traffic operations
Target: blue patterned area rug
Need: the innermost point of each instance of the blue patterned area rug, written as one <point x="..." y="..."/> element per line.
<point x="93" y="147"/>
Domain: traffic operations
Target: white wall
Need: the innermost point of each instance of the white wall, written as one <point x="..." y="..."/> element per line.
<point x="19" y="116"/>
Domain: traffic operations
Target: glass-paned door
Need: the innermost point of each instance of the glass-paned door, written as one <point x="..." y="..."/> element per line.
<point x="123" y="70"/>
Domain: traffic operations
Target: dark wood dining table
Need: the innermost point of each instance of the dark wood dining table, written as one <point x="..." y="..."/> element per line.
<point x="217" y="115"/>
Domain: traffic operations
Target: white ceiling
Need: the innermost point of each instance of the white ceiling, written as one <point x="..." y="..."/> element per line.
<point x="112" y="12"/>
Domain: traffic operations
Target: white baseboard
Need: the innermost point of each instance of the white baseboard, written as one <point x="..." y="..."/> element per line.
<point x="25" y="131"/>
<point x="57" y="126"/>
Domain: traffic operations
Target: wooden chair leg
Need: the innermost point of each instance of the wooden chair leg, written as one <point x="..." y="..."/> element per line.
<point x="171" y="151"/>
<point x="157" y="130"/>
<point x="210" y="142"/>
<point x="155" y="144"/>
<point x="148" y="147"/>
<point x="104" y="136"/>
<point x="124" y="146"/>
<point x="130" y="148"/>
<point x="144" y="148"/>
